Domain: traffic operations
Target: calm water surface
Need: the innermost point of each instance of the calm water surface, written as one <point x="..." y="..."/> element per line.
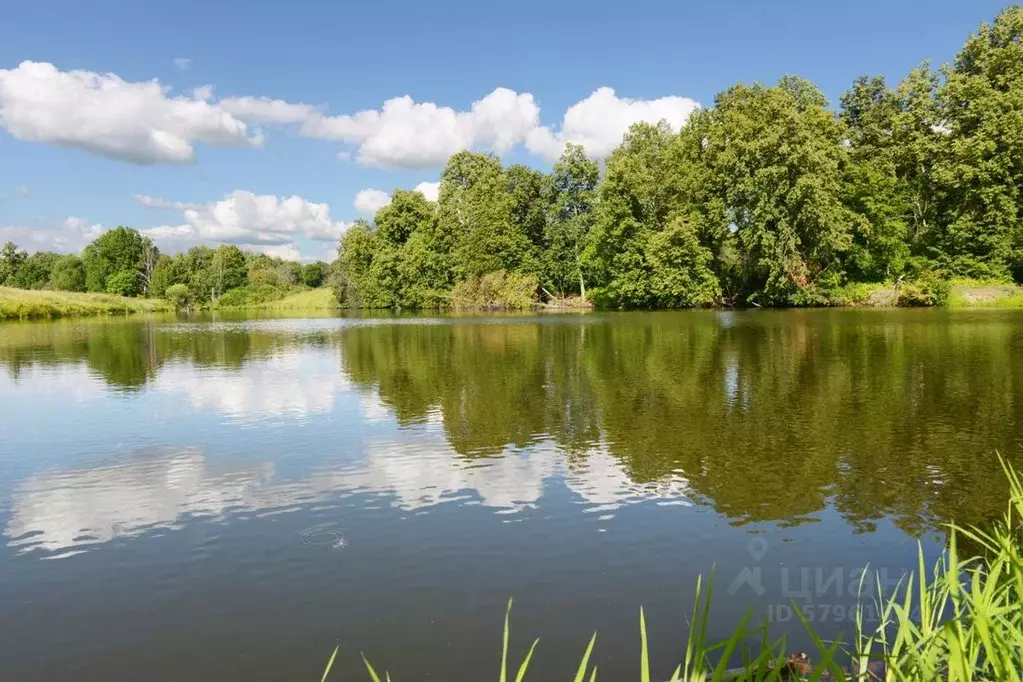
<point x="228" y="499"/>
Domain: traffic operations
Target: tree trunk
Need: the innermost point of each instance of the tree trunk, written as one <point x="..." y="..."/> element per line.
<point x="582" y="284"/>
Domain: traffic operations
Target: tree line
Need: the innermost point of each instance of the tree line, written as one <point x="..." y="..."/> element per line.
<point x="124" y="262"/>
<point x="768" y="197"/>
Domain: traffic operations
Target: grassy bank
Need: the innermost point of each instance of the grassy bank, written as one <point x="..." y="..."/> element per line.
<point x="957" y="293"/>
<point x="274" y="298"/>
<point x="960" y="621"/>
<point x="312" y="299"/>
<point x="23" y="304"/>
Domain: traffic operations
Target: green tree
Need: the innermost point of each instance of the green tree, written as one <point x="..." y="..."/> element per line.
<point x="10" y="260"/>
<point x="34" y="272"/>
<point x="572" y="195"/>
<point x="633" y="203"/>
<point x="167" y="272"/>
<point x="68" y="274"/>
<point x="777" y="154"/>
<point x="314" y="274"/>
<point x="893" y="140"/>
<point x="119" y="250"/>
<point x="681" y="271"/>
<point x="981" y="107"/>
<point x="227" y="270"/>
<point x="124" y="283"/>
<point x="177" y="294"/>
<point x="407" y="212"/>
<point x="476" y="209"/>
<point x="354" y="279"/>
<point x="198" y="262"/>
<point x="527" y="189"/>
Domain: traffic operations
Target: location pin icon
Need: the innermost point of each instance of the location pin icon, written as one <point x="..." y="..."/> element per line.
<point x="757" y="548"/>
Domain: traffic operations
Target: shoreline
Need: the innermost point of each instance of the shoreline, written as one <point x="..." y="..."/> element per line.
<point x="26" y="305"/>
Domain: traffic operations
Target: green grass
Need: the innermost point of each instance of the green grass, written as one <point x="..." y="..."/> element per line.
<point x="1007" y="297"/>
<point x="267" y="297"/>
<point x="961" y="621"/>
<point x="23" y="304"/>
<point x="311" y="299"/>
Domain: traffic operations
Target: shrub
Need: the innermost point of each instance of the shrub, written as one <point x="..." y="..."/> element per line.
<point x="68" y="274"/>
<point x="177" y="294"/>
<point x="927" y="290"/>
<point x="264" y="276"/>
<point x="124" y="283"/>
<point x="499" y="290"/>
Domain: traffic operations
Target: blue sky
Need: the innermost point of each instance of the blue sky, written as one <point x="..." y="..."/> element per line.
<point x="74" y="154"/>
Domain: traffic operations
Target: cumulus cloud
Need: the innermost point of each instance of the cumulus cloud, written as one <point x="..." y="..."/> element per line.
<point x="85" y="229"/>
<point x="142" y="122"/>
<point x="70" y="236"/>
<point x="261" y="222"/>
<point x="158" y="202"/>
<point x="430" y="190"/>
<point x="103" y="114"/>
<point x="409" y="134"/>
<point x="183" y="63"/>
<point x="599" y="122"/>
<point x="266" y="110"/>
<point x="369" y="201"/>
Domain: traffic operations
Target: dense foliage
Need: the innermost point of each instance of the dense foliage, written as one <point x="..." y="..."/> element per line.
<point x="768" y="197"/>
<point x="126" y="263"/>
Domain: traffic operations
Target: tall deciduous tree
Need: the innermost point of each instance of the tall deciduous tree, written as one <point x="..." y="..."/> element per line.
<point x="572" y="188"/>
<point x="68" y="274"/>
<point x="10" y="260"/>
<point x="119" y="250"/>
<point x="778" y="155"/>
<point x="35" y="271"/>
<point x="981" y="104"/>
<point x="475" y="208"/>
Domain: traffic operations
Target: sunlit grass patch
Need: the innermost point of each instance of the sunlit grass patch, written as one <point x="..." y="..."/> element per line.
<point x="33" y="304"/>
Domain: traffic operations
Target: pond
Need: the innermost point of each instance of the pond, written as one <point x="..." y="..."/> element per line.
<point x="227" y="499"/>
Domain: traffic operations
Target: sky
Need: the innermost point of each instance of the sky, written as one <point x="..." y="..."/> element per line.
<point x="274" y="125"/>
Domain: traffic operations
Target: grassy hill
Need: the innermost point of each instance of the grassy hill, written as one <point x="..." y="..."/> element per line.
<point x="24" y="304"/>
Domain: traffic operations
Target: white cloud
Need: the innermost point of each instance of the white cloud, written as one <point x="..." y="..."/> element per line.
<point x="430" y="190"/>
<point x="183" y="63"/>
<point x="105" y="115"/>
<point x="599" y="122"/>
<point x="23" y="191"/>
<point x="71" y="236"/>
<point x="266" y="110"/>
<point x="142" y="122"/>
<point x="284" y="252"/>
<point x="369" y="201"/>
<point x="88" y="232"/>
<point x="404" y="133"/>
<point x="158" y="202"/>
<point x="409" y="134"/>
<point x="264" y="222"/>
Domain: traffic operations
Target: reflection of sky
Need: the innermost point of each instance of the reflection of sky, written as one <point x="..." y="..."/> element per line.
<point x="184" y="455"/>
<point x="289" y="384"/>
